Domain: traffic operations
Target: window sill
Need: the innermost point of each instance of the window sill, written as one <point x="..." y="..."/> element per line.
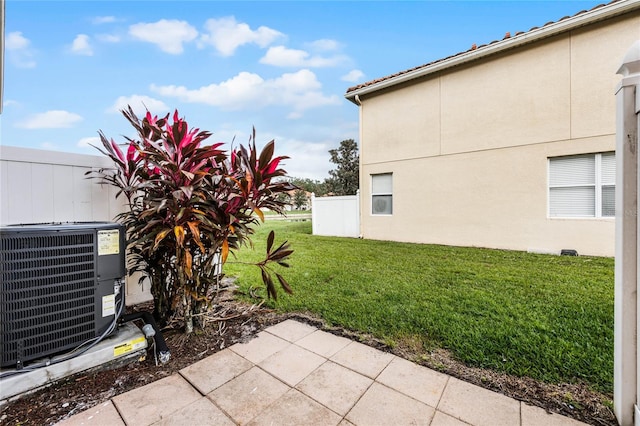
<point x="606" y="219"/>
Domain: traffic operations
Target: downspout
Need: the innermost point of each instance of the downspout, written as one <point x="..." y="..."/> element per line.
<point x="356" y="98"/>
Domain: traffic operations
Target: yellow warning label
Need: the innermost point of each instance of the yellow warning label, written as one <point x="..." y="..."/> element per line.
<point x="130" y="346"/>
<point x="108" y="242"/>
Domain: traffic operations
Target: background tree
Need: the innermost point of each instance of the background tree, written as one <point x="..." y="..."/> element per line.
<point x="300" y="199"/>
<point x="284" y="198"/>
<point x="344" y="180"/>
<point x="316" y="186"/>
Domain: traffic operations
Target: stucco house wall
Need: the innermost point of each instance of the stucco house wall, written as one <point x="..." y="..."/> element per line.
<point x="468" y="146"/>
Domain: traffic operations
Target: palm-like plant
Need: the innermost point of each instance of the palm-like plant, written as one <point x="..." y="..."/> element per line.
<point x="189" y="206"/>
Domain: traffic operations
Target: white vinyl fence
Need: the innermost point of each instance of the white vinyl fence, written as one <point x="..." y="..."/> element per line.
<point x="336" y="216"/>
<point x="39" y="186"/>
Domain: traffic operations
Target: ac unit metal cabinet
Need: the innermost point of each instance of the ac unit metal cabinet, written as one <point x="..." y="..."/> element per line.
<point x="62" y="285"/>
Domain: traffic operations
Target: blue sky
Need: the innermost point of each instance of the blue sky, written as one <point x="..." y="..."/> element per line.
<point x="282" y="67"/>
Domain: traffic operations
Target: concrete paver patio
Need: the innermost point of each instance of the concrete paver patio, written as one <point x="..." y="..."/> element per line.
<point x="295" y="374"/>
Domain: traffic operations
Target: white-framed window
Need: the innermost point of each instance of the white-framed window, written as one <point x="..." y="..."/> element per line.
<point x="382" y="194"/>
<point x="582" y="185"/>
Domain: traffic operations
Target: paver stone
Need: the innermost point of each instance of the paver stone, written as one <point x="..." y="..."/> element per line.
<point x="291" y="330"/>
<point x="323" y="343"/>
<point x="152" y="402"/>
<point x="478" y="406"/>
<point x="536" y="416"/>
<point x="215" y="370"/>
<point x="413" y="380"/>
<point x="362" y="359"/>
<point x="335" y="386"/>
<point x="381" y="405"/>
<point x="259" y="348"/>
<point x="202" y="412"/>
<point x="248" y="395"/>
<point x="295" y="409"/>
<point x="292" y="364"/>
<point x="102" y="414"/>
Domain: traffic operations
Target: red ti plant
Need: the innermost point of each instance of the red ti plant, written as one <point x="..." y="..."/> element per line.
<point x="189" y="206"/>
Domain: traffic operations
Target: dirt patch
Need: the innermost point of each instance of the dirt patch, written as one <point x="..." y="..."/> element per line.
<point x="72" y="395"/>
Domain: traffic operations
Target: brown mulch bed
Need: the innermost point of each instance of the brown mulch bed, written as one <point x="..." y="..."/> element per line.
<point x="85" y="390"/>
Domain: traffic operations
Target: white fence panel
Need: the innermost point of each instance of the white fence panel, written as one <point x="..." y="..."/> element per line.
<point x="48" y="186"/>
<point x="336" y="216"/>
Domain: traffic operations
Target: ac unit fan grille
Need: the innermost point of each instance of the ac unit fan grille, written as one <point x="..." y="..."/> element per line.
<point x="48" y="294"/>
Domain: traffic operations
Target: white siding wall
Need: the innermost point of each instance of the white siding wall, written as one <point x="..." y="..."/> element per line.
<point x="336" y="216"/>
<point x="47" y="186"/>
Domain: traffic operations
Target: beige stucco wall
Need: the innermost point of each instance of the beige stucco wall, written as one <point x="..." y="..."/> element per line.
<point x="469" y="147"/>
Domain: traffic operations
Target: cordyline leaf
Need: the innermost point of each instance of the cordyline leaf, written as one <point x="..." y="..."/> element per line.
<point x="281" y="255"/>
<point x="225" y="250"/>
<point x="273" y="166"/>
<point x="284" y="284"/>
<point x="283" y="246"/>
<point x="181" y="213"/>
<point x="193" y="227"/>
<point x="150" y="225"/>
<point x="270" y="240"/>
<point x="266" y="155"/>
<point x="162" y="205"/>
<point x="179" y="232"/>
<point x="249" y="178"/>
<point x="268" y="282"/>
<point x="160" y="237"/>
<point x="117" y="150"/>
<point x="259" y="213"/>
<point x="188" y="190"/>
<point x="188" y="262"/>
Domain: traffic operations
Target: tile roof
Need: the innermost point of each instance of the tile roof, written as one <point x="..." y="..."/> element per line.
<point x="475" y="47"/>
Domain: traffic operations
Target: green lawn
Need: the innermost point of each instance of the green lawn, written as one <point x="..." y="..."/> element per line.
<point x="543" y="316"/>
<point x="287" y="213"/>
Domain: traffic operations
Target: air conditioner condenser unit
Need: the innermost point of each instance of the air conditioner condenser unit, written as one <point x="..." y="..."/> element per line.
<point x="62" y="286"/>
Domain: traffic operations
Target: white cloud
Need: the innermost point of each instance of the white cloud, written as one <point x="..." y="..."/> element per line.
<point x="168" y="35"/>
<point x="300" y="90"/>
<point x="140" y="104"/>
<point x="81" y="45"/>
<point x="281" y="56"/>
<point x="353" y="76"/>
<point x="226" y="35"/>
<point x="324" y="45"/>
<point x="19" y="50"/>
<point x="10" y="102"/>
<point x="103" y="20"/>
<point x="16" y="41"/>
<point x="87" y="142"/>
<point x="56" y="119"/>
<point x="307" y="159"/>
<point x="108" y="38"/>
<point x="49" y="146"/>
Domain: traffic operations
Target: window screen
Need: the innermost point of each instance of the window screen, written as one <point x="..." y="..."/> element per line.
<point x="382" y="194"/>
